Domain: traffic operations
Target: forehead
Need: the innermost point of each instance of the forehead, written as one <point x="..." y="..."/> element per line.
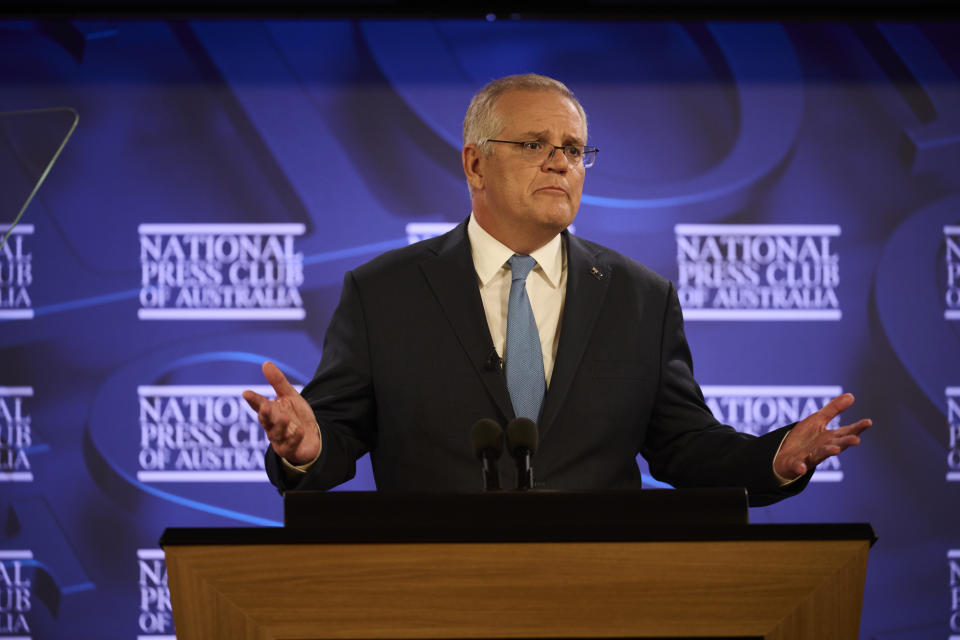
<point x="523" y="111"/>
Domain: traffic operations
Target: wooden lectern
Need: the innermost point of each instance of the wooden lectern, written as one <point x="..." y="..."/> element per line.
<point x="648" y="564"/>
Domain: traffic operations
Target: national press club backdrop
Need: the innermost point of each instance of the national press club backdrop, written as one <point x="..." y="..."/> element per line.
<point x="213" y="181"/>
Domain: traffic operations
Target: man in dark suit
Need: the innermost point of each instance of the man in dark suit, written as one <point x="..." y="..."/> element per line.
<point x="428" y="339"/>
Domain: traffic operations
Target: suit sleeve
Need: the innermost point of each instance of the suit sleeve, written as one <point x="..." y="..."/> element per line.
<point x="341" y="395"/>
<point x="687" y="447"/>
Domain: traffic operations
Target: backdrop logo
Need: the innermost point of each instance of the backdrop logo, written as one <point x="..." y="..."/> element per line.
<point x="220" y="271"/>
<point x="761" y="409"/>
<point x="15" y="593"/>
<point x="16" y="273"/>
<point x="15" y="434"/>
<point x="200" y="434"/>
<point x="758" y="272"/>
<point x="952" y="238"/>
<point x="953" y="434"/>
<point x="953" y="564"/>
<point x="155" y="621"/>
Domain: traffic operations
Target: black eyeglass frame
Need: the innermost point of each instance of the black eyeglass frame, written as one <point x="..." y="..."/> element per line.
<point x="584" y="151"/>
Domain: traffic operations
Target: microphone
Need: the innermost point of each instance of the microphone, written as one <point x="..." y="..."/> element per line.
<point x="494" y="361"/>
<point x="487" y="438"/>
<point x="522" y="443"/>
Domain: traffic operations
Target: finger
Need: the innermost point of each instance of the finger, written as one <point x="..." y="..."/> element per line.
<point x="286" y="444"/>
<point x="828" y="451"/>
<point x="854" y="429"/>
<point x="275" y="413"/>
<point x="857" y="427"/>
<point x="277" y="380"/>
<point x="273" y="430"/>
<point x="254" y="399"/>
<point x="279" y="436"/>
<point x="274" y="421"/>
<point x="849" y="440"/>
<point x="836" y="406"/>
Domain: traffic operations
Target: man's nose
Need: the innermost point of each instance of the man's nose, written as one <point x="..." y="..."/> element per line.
<point x="556" y="161"/>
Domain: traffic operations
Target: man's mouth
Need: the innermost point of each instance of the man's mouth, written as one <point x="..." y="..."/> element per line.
<point x="552" y="189"/>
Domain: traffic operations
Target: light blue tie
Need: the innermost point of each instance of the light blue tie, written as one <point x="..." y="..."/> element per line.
<point x="524" y="360"/>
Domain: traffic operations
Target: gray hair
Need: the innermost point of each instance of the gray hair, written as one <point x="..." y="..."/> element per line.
<point x="482" y="122"/>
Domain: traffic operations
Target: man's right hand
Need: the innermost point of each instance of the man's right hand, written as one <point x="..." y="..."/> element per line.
<point x="288" y="421"/>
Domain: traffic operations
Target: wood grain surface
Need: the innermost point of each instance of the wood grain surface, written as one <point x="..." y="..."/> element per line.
<point x="769" y="589"/>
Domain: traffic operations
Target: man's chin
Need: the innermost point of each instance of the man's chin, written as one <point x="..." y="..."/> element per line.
<point x="557" y="222"/>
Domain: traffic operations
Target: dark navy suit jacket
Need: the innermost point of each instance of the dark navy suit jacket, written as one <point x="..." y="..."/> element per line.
<point x="406" y="372"/>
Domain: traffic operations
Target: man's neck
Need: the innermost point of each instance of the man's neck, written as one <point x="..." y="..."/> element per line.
<point x="523" y="244"/>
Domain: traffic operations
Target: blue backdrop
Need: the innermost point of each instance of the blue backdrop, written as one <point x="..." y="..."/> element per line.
<point x="800" y="183"/>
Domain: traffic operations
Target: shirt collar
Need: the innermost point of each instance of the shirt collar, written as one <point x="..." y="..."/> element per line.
<point x="490" y="255"/>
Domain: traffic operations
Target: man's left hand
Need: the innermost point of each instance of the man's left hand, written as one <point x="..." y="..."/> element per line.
<point x="810" y="442"/>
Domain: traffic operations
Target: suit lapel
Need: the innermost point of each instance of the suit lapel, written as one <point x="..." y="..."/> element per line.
<point x="588" y="278"/>
<point x="453" y="278"/>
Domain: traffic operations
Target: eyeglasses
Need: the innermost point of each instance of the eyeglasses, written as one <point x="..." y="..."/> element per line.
<point x="538" y="152"/>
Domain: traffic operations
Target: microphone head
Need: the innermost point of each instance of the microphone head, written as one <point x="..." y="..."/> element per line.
<point x="522" y="434"/>
<point x="487" y="434"/>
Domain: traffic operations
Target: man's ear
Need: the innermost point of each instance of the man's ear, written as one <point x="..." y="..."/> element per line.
<point x="473" y="165"/>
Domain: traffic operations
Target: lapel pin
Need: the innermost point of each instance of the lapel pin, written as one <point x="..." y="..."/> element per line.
<point x="596" y="273"/>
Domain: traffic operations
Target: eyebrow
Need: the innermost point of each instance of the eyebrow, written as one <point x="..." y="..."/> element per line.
<point x="542" y="135"/>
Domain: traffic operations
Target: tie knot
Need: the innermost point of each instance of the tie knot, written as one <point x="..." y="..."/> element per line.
<point x="521" y="266"/>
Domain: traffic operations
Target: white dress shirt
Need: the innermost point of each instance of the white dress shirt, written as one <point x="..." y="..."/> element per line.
<point x="546" y="288"/>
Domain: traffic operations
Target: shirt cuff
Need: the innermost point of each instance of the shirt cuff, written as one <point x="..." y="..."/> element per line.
<point x="781" y="481"/>
<point x="302" y="469"/>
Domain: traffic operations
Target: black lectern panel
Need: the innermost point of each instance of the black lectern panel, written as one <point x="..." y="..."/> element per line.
<point x="508" y="516"/>
<point x="619" y="516"/>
